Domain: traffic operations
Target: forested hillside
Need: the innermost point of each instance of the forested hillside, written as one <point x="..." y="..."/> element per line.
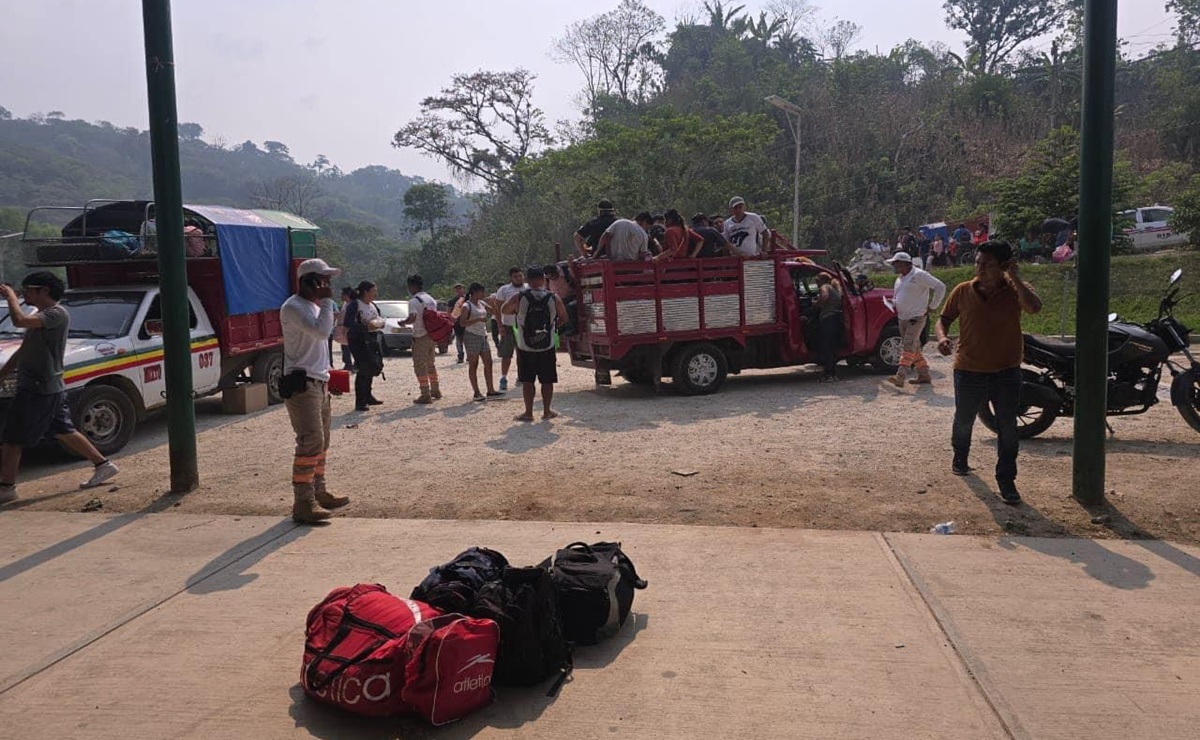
<point x="50" y="160"/>
<point x="677" y="116"/>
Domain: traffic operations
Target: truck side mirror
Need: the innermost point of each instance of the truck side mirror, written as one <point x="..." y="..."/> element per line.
<point x="154" y="327"/>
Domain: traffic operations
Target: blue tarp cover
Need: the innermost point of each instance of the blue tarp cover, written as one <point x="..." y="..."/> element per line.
<point x="255" y="259"/>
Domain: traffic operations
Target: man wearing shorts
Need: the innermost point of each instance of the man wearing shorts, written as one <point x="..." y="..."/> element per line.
<point x="508" y="339"/>
<point x="39" y="407"/>
<point x="537" y="361"/>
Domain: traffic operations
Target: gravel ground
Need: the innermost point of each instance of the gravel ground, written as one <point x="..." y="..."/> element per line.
<point x="773" y="448"/>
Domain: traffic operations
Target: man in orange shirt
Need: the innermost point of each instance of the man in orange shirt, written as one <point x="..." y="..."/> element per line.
<point x="987" y="364"/>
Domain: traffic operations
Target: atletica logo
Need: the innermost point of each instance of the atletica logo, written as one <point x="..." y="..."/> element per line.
<point x="473" y="684"/>
<point x="352" y="689"/>
<point x="477" y="660"/>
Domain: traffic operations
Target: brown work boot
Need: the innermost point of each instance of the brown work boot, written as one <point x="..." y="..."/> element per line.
<point x="435" y="392"/>
<point x="306" y="510"/>
<point x="326" y="499"/>
<point x="896" y="380"/>
<point x="424" y="397"/>
<point x="921" y="379"/>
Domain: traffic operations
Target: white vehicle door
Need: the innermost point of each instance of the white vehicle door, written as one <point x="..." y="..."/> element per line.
<point x="206" y="365"/>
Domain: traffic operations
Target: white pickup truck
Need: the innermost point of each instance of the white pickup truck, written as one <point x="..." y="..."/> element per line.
<point x="240" y="269"/>
<point x="114" y="359"/>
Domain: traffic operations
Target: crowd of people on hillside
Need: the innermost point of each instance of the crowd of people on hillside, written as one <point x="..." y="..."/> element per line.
<point x="667" y="236"/>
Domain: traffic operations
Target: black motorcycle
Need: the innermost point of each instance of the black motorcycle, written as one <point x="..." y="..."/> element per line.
<point x="1136" y="357"/>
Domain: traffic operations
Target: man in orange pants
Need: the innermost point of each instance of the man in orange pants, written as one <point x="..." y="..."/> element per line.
<point x="307" y="319"/>
<point x="916" y="294"/>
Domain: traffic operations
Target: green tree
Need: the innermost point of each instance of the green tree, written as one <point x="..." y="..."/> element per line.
<point x="996" y="28"/>
<point x="482" y="126"/>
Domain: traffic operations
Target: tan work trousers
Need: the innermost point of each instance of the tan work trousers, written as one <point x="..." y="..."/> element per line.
<point x="423" y="352"/>
<point x="910" y="347"/>
<point x="310" y="416"/>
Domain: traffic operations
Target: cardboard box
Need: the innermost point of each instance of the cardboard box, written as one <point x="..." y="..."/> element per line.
<point x="245" y="399"/>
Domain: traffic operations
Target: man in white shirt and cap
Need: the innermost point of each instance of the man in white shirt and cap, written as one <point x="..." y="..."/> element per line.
<point x="307" y="319"/>
<point x="746" y="232"/>
<point x="916" y="294"/>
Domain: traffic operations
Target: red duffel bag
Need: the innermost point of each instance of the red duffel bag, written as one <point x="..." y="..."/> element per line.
<point x="449" y="672"/>
<point x="357" y="649"/>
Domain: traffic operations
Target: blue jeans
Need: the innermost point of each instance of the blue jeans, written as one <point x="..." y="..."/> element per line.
<point x="1003" y="391"/>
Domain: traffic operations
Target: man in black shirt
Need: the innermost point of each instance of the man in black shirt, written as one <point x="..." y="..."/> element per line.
<point x="714" y="244"/>
<point x="589" y="234"/>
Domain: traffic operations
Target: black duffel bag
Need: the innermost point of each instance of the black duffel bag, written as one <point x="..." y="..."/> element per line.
<point x="595" y="586"/>
<point x="532" y="646"/>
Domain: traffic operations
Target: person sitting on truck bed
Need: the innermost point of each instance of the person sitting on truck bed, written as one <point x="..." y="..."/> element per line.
<point x="40" y="405"/>
<point x="588" y="235"/>
<point x="746" y="231"/>
<point x="623" y="241"/>
<point x="715" y="244"/>
<point x="679" y="241"/>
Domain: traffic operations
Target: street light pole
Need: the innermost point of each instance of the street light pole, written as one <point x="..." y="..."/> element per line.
<point x="172" y="264"/>
<point x="792" y="111"/>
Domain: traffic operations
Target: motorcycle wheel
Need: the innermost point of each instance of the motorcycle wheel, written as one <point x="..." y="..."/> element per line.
<point x="1185" y="394"/>
<point x="1032" y="419"/>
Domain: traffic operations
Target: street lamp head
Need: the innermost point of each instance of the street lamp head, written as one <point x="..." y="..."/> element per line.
<point x="784" y="105"/>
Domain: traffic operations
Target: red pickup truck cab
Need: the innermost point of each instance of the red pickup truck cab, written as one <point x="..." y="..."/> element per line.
<point x="697" y="320"/>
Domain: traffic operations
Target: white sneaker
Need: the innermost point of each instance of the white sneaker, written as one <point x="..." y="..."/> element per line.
<point x="102" y="474"/>
<point x="7" y="493"/>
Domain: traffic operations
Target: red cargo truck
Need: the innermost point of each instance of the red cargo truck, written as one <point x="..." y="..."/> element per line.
<point x="697" y="320"/>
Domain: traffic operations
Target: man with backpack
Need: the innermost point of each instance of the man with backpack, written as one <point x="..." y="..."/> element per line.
<point x="538" y="313"/>
<point x="424" y="348"/>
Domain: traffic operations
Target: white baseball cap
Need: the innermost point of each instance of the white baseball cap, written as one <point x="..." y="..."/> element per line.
<point x="736" y="201"/>
<point x="900" y="257"/>
<point x="318" y="266"/>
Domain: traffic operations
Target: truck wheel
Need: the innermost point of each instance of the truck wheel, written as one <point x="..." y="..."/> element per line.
<point x="887" y="353"/>
<point x="106" y="416"/>
<point x="700" y="369"/>
<point x="1032" y="419"/>
<point x="268" y="369"/>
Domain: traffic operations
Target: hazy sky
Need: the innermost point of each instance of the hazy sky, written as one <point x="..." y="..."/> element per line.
<point x="339" y="77"/>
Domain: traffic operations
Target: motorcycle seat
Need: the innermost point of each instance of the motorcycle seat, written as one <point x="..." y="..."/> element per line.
<point x="1061" y="348"/>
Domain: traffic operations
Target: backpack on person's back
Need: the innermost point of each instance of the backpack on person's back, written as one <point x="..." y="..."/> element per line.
<point x="438" y="324"/>
<point x="537" y="329"/>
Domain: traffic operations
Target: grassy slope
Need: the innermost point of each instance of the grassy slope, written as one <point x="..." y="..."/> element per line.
<point x="1136" y="285"/>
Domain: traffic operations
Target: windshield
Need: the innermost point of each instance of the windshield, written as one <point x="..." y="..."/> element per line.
<point x="1155" y="215"/>
<point x="100" y="315"/>
<point x="393" y="310"/>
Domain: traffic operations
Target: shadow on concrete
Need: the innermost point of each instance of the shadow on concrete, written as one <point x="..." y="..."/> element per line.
<point x="1116" y="522"/>
<point x="103" y="529"/>
<point x="226" y="572"/>
<point x="599" y="656"/>
<point x="512" y="709"/>
<point x="1104" y="565"/>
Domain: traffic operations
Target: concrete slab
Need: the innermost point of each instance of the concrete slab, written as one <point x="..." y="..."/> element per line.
<point x="743" y="633"/>
<point x="1071" y="638"/>
<point x="68" y="579"/>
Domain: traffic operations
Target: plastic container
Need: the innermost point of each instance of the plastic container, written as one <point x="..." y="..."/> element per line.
<point x="339" y="381"/>
<point x="943" y="528"/>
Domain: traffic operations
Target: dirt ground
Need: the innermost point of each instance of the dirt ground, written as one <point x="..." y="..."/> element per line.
<point x="772" y="449"/>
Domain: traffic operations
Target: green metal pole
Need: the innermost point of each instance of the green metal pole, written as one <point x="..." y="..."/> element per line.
<point x="1095" y="245"/>
<point x="172" y="264"/>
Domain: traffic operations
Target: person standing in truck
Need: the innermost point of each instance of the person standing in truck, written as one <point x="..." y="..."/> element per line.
<point x="746" y="232"/>
<point x="587" y="238"/>
<point x="40" y="404"/>
<point x="307" y="319"/>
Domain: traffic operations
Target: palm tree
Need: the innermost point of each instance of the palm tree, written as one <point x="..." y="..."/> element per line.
<point x="722" y="19"/>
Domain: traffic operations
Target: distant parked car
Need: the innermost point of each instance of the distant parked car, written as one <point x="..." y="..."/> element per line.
<point x="1148" y="229"/>
<point x="397" y="337"/>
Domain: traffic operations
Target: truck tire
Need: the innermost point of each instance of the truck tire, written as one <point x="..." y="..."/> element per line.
<point x="888" y="351"/>
<point x="700" y="369"/>
<point x="106" y="416"/>
<point x="268" y="369"/>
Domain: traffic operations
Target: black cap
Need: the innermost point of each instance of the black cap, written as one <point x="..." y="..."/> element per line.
<point x="605" y="205"/>
<point x="535" y="272"/>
